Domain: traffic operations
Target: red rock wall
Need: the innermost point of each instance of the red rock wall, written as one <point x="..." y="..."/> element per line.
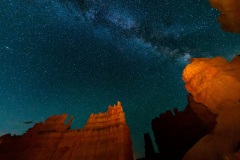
<point x="105" y="136"/>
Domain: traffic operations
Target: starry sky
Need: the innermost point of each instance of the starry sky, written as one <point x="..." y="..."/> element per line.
<point x="79" y="56"/>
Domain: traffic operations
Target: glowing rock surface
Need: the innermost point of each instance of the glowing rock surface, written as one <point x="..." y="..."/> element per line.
<point x="105" y="136"/>
<point x="215" y="83"/>
<point x="230" y="14"/>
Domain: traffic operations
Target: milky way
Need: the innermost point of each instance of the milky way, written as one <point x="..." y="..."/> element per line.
<point x="78" y="57"/>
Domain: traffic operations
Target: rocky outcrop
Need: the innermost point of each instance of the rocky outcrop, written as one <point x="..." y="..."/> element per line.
<point x="208" y="128"/>
<point x="215" y="83"/>
<point x="51" y="124"/>
<point x="175" y="133"/>
<point x="230" y="14"/>
<point x="105" y="136"/>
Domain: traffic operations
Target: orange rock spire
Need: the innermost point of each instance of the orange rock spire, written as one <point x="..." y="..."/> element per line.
<point x="114" y="116"/>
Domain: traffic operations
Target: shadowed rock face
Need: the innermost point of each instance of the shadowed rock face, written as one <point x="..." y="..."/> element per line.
<point x="149" y="150"/>
<point x="230" y="14"/>
<point x="106" y="136"/>
<point x="176" y="133"/>
<point x="215" y="83"/>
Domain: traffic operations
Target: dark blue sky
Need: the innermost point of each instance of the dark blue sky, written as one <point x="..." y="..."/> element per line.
<point x="78" y="57"/>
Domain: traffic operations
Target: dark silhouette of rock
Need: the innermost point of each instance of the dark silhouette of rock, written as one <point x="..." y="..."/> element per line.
<point x="105" y="136"/>
<point x="149" y="150"/>
<point x="175" y="133"/>
<point x="150" y="154"/>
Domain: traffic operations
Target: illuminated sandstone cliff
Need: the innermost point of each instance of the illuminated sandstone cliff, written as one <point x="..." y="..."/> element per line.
<point x="230" y="14"/>
<point x="215" y="83"/>
<point x="105" y="136"/>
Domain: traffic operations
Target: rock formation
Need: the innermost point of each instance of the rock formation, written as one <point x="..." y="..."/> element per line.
<point x="208" y="128"/>
<point x="230" y="14"/>
<point x="176" y="133"/>
<point x="150" y="154"/>
<point x="149" y="150"/>
<point x="105" y="136"/>
<point x="215" y="83"/>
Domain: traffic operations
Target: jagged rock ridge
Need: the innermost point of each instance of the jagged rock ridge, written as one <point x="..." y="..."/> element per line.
<point x="105" y="136"/>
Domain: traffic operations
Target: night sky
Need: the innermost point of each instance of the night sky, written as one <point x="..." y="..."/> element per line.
<point x="79" y="56"/>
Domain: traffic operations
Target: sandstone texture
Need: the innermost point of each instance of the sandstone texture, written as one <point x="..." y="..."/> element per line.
<point x="105" y="136"/>
<point x="215" y="83"/>
<point x="230" y="14"/>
